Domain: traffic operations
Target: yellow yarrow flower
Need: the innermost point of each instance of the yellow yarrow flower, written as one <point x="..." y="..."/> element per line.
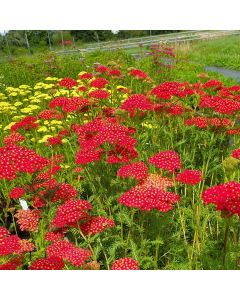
<point x="36" y="101"/>
<point x="13" y="94"/>
<point x="55" y="122"/>
<point x="24" y="87"/>
<point x="18" y="103"/>
<point x="17" y="118"/>
<point x="42" y="129"/>
<point x="8" y="127"/>
<point x="45" y="138"/>
<point x="52" y="79"/>
<point x="26" y="110"/>
<point x="148" y="125"/>
<point x="64" y="166"/>
<point x="2" y="96"/>
<point x="4" y="104"/>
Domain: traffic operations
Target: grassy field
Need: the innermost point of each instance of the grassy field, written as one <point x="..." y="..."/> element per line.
<point x="222" y="52"/>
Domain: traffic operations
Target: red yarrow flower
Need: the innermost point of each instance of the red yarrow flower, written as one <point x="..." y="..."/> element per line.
<point x="64" y="192"/>
<point x="13" y="138"/>
<point x="136" y="170"/>
<point x="136" y="102"/>
<point x="50" y="263"/>
<point x="99" y="94"/>
<point x="68" y="82"/>
<point x="3" y="232"/>
<point x="72" y="211"/>
<point x="125" y="264"/>
<point x="28" y="219"/>
<point x="67" y="251"/>
<point x="54" y="236"/>
<point x="138" y="74"/>
<point x="148" y="198"/>
<point x="236" y="153"/>
<point x="26" y="123"/>
<point x="225" y="197"/>
<point x="17" y="192"/>
<point x="25" y="246"/>
<point x="86" y="76"/>
<point x="114" y="72"/>
<point x="12" y="264"/>
<point x="14" y="159"/>
<point x="96" y="225"/>
<point x="191" y="177"/>
<point x="99" y="83"/>
<point x="168" y="160"/>
<point x="101" y="68"/>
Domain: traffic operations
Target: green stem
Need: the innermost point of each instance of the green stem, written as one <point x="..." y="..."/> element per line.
<point x="225" y="241"/>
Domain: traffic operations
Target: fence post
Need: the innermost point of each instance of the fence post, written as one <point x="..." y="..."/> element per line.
<point x="27" y="42"/>
<point x="5" y="35"/>
<point x="62" y="39"/>
<point x="49" y="40"/>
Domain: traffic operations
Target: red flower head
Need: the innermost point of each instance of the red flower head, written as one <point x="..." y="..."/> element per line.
<point x="82" y="88"/>
<point x="14" y="159"/>
<point x="168" y="89"/>
<point x="96" y="225"/>
<point x="72" y="211"/>
<point x="50" y="263"/>
<point x="168" y="160"/>
<point x="86" y="76"/>
<point x="26" y="246"/>
<point x="3" y="233"/>
<point x="138" y="74"/>
<point x="84" y="157"/>
<point x="10" y="245"/>
<point x="99" y="83"/>
<point x="101" y="68"/>
<point x="17" y="193"/>
<point x="212" y="83"/>
<point x="12" y="264"/>
<point x="191" y="177"/>
<point x="236" y="153"/>
<point x="136" y="102"/>
<point x="148" y="198"/>
<point x="125" y="264"/>
<point x="225" y="197"/>
<point x="114" y="72"/>
<point x="13" y="138"/>
<point x="28" y="219"/>
<point x="53" y="141"/>
<point x="67" y="251"/>
<point x="68" y="82"/>
<point x="99" y="94"/>
<point x="64" y="192"/>
<point x="47" y="114"/>
<point x="136" y="170"/>
<point x="27" y="123"/>
<point x="54" y="236"/>
<point x="220" y="105"/>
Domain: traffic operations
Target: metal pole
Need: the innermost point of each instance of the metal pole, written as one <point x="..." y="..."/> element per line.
<point x="27" y="42"/>
<point x="49" y="40"/>
<point x="73" y="39"/>
<point x="97" y="39"/>
<point x="62" y="39"/>
<point x="5" y="35"/>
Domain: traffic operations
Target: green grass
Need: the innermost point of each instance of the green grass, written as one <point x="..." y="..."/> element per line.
<point x="222" y="52"/>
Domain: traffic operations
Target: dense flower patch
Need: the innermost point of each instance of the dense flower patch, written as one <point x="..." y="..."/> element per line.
<point x="113" y="170"/>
